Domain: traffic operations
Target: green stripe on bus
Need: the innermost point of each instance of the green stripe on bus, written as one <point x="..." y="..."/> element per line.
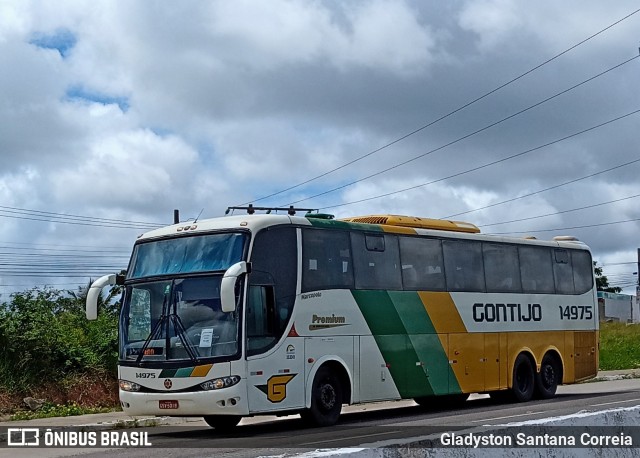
<point x="335" y="224"/>
<point x="167" y="373"/>
<point x="184" y="372"/>
<point x="392" y="338"/>
<point x="408" y="342"/>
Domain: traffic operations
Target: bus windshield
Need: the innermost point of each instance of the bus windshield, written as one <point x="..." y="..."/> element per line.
<point x="187" y="254"/>
<point x="176" y="320"/>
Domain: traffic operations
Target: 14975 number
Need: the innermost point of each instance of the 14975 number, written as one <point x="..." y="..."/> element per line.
<point x="576" y="312"/>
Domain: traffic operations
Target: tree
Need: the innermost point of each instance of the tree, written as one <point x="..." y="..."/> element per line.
<point x="602" y="282"/>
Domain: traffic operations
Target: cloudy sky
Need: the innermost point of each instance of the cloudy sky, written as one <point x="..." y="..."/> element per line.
<point x="113" y="115"/>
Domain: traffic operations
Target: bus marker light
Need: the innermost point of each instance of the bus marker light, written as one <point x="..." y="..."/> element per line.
<point x="293" y="332"/>
<point x="310" y="360"/>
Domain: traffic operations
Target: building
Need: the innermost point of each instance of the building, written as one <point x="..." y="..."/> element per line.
<point x="618" y="307"/>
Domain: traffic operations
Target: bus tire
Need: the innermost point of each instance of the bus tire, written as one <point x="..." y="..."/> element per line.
<point x="222" y="423"/>
<point x="326" y="399"/>
<point x="548" y="378"/>
<point x="523" y="379"/>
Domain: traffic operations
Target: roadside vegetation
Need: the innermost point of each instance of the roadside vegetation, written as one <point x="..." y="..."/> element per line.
<point x="52" y="353"/>
<point x="619" y="346"/>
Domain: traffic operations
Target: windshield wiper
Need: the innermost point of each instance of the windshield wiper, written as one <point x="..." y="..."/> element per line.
<point x="155" y="333"/>
<point x="167" y="318"/>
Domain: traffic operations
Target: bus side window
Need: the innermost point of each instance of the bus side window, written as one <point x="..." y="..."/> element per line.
<point x="501" y="268"/>
<point x="582" y="271"/>
<point x="536" y="275"/>
<point x="377" y="261"/>
<point x="261" y="319"/>
<point x="463" y="266"/>
<point x="422" y="264"/>
<point x="563" y="272"/>
<point x="326" y="260"/>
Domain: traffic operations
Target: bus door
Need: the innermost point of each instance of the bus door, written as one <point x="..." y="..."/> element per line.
<point x="275" y="362"/>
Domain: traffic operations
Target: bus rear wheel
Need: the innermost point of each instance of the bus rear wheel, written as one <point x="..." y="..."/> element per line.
<point x="523" y="379"/>
<point x="548" y="378"/>
<point x="326" y="399"/>
<point x="222" y="423"/>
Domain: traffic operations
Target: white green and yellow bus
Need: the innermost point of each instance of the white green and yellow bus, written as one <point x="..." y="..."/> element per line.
<point x="275" y="314"/>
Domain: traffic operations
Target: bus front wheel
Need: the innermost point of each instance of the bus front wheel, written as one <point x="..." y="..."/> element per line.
<point x="326" y="399"/>
<point x="222" y="422"/>
<point x="523" y="379"/>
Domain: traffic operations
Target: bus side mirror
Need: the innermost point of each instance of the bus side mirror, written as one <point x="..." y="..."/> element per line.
<point x="94" y="293"/>
<point x="228" y="285"/>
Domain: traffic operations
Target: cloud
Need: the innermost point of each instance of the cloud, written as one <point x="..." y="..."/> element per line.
<point x="131" y="109"/>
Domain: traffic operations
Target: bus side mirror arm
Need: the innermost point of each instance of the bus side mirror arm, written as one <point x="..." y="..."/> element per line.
<point x="94" y="293"/>
<point x="228" y="285"/>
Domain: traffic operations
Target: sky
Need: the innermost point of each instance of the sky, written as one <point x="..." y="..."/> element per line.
<point x="116" y="113"/>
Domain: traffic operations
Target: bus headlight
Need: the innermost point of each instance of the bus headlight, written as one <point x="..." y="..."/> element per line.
<point x="218" y="383"/>
<point x="129" y="386"/>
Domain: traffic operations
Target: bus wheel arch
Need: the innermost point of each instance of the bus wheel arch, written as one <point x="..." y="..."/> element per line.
<point x="330" y="388"/>
<point x="549" y="376"/>
<point x="523" y="379"/>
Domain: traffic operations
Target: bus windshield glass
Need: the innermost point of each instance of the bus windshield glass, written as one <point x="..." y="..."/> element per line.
<point x="190" y="254"/>
<point x="176" y="320"/>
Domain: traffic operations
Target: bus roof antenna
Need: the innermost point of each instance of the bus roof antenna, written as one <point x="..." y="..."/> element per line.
<point x="198" y="217"/>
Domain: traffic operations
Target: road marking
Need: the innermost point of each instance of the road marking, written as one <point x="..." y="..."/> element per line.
<point x="613" y="402"/>
<point x="508" y="416"/>
<point x="349" y="437"/>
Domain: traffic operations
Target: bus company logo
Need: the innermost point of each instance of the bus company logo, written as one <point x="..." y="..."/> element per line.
<point x="168" y="384"/>
<point x="325" y="322"/>
<point x="276" y="387"/>
<point x="506" y="312"/>
<point x="291" y="352"/>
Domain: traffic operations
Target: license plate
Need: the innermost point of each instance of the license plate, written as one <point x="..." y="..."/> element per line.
<point x="168" y="404"/>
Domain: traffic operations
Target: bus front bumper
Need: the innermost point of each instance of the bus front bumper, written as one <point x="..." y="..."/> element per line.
<point x="226" y="401"/>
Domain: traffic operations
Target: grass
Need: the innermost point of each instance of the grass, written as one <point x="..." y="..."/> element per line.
<point x="619" y="346"/>
<point x="49" y="410"/>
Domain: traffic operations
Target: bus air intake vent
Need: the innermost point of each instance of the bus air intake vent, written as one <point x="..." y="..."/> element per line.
<point x="415" y="222"/>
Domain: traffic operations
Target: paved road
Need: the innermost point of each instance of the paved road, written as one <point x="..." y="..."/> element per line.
<point x="360" y="425"/>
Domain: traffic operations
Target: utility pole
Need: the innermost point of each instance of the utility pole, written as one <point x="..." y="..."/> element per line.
<point x="637" y="319"/>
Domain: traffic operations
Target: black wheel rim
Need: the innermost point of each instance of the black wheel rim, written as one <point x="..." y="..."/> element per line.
<point x="548" y="376"/>
<point x="522" y="379"/>
<point x="327" y="397"/>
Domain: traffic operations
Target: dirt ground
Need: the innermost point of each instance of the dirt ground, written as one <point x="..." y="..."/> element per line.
<point x="85" y="390"/>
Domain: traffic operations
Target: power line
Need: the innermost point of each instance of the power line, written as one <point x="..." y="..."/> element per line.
<point x="54" y="217"/>
<point x="459" y="139"/>
<point x="542" y="190"/>
<point x="619" y="263"/>
<point x="431" y="123"/>
<point x="489" y="164"/>
<point x="560" y="212"/>
<point x="567" y="228"/>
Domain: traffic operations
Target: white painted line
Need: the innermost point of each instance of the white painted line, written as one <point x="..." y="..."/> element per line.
<point x="349" y="437"/>
<point x="614" y="402"/>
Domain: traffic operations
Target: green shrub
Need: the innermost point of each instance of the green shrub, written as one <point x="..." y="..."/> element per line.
<point x="46" y="336"/>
